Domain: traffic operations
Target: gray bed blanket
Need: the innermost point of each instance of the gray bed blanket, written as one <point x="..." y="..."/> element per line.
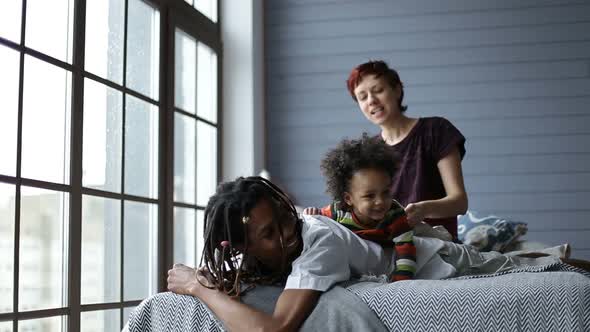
<point x="523" y="300"/>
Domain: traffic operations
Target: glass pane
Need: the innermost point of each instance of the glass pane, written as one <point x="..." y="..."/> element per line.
<point x="141" y="148"/>
<point x="206" y="162"/>
<point x="50" y="324"/>
<point x="143" y="48"/>
<point x="207" y="83"/>
<point x="7" y="201"/>
<point x="185" y="236"/>
<point x="126" y="312"/>
<point x="9" y="67"/>
<point x="140" y="250"/>
<point x="103" y="137"/>
<point x="105" y="25"/>
<point x="200" y="235"/>
<point x="101" y="250"/>
<point x="184" y="158"/>
<point x="49" y="27"/>
<point x="185" y="72"/>
<point x="207" y="7"/>
<point x="5" y="326"/>
<point x="100" y="321"/>
<point x="46" y="122"/>
<point x="43" y="249"/>
<point x="10" y="17"/>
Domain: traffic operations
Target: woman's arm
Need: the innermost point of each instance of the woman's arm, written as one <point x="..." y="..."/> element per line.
<point x="451" y="205"/>
<point x="292" y="308"/>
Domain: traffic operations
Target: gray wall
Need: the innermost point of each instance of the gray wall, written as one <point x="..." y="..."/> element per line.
<point x="513" y="76"/>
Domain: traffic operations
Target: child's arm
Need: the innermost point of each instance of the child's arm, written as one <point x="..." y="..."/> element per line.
<point x="292" y="308"/>
<point x="324" y="211"/>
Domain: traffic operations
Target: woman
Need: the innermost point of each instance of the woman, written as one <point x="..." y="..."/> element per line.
<point x="429" y="181"/>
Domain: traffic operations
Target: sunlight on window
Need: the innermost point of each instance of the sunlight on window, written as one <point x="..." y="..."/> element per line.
<point x="101" y="250"/>
<point x="207" y="83"/>
<point x="100" y="321"/>
<point x="207" y="7"/>
<point x="185" y="236"/>
<point x="53" y="324"/>
<point x="185" y="62"/>
<point x="49" y="27"/>
<point x="102" y="137"/>
<point x="9" y="67"/>
<point x="184" y="159"/>
<point x="140" y="250"/>
<point x="7" y="204"/>
<point x="206" y="162"/>
<point x="141" y="148"/>
<point x="105" y="25"/>
<point x="43" y="248"/>
<point x="46" y="122"/>
<point x="143" y="49"/>
<point x="10" y="17"/>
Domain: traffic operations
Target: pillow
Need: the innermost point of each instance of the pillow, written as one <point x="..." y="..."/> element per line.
<point x="488" y="232"/>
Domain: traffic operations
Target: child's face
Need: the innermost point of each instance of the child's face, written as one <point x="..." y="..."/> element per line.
<point x="369" y="194"/>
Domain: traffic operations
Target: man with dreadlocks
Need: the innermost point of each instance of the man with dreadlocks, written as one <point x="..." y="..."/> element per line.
<point x="253" y="235"/>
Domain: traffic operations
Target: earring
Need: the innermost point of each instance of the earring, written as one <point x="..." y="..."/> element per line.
<point x="245" y="219"/>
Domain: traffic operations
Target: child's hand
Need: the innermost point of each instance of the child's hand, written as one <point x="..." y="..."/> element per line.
<point x="415" y="213"/>
<point x="311" y="211"/>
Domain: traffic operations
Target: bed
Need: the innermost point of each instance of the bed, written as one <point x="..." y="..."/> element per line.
<point x="548" y="298"/>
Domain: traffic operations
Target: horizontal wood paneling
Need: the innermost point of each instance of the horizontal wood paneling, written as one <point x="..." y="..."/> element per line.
<point x="513" y="76"/>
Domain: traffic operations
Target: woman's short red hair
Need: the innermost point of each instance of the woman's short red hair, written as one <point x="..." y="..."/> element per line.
<point x="378" y="68"/>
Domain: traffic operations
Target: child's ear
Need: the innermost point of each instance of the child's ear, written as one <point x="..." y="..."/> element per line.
<point x="347" y="199"/>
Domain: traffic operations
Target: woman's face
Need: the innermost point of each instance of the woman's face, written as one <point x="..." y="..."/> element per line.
<point x="377" y="99"/>
<point x="264" y="240"/>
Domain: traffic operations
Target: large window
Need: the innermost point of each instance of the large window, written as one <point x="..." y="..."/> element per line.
<point x="109" y="129"/>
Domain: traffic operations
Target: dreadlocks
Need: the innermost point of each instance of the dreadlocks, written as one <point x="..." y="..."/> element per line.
<point x="226" y="223"/>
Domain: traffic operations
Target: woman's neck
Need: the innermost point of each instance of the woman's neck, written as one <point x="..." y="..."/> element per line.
<point x="395" y="130"/>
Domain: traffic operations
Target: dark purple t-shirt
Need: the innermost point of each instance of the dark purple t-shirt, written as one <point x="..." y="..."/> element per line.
<point x="418" y="178"/>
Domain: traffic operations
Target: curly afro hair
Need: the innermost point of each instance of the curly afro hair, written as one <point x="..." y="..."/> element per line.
<point x="352" y="155"/>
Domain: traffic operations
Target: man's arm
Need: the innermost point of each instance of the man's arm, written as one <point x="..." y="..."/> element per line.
<point x="292" y="308"/>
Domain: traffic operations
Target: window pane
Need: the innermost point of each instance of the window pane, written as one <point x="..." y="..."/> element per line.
<point x="207" y="7"/>
<point x="10" y="17"/>
<point x="126" y="312"/>
<point x="5" y="326"/>
<point x="207" y="83"/>
<point x="184" y="158"/>
<point x="105" y="24"/>
<point x="9" y="67"/>
<point x="206" y="162"/>
<point x="140" y="250"/>
<point x="141" y="148"/>
<point x="185" y="236"/>
<point x="7" y="201"/>
<point x="101" y="250"/>
<point x="46" y="122"/>
<point x="103" y="137"/>
<point x="100" y="321"/>
<point x="185" y="73"/>
<point x="143" y="48"/>
<point x="200" y="235"/>
<point x="49" y="27"/>
<point x="43" y="249"/>
<point x="50" y="324"/>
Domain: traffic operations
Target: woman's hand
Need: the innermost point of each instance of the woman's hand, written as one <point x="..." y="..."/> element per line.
<point x="185" y="280"/>
<point x="415" y="213"/>
<point x="311" y="211"/>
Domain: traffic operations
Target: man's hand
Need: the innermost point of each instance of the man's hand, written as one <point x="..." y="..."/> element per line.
<point x="183" y="279"/>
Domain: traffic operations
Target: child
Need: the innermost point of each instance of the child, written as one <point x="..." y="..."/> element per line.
<point x="359" y="176"/>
